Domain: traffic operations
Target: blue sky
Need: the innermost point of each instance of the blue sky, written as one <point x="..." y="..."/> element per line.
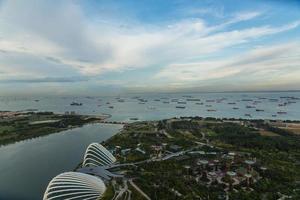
<point x="102" y="47"/>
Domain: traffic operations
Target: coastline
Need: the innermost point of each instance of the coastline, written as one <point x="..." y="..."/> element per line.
<point x="19" y="126"/>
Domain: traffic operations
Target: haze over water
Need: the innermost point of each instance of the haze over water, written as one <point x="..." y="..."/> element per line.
<point x="161" y="106"/>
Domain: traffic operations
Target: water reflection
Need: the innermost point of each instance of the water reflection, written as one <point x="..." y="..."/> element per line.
<point x="27" y="167"/>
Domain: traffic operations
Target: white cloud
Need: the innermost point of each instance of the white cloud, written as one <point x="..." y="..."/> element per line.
<point x="45" y="39"/>
<point x="178" y="42"/>
<point x="259" y="65"/>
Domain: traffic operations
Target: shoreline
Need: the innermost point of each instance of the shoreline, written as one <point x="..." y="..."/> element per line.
<point x="92" y="119"/>
<point x="20" y="126"/>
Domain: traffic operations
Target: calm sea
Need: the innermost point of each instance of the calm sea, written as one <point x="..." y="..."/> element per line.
<point x="160" y="106"/>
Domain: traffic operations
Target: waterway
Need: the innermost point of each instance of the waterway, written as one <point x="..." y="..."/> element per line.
<point x="26" y="167"/>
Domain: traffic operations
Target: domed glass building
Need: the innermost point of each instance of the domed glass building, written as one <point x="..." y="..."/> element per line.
<point x="75" y="186"/>
<point x="97" y="155"/>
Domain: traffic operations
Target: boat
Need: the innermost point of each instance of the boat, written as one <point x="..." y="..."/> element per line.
<point x="181" y="102"/>
<point x="259" y="110"/>
<point x="121" y="100"/>
<point x="235" y="108"/>
<point x="250" y="106"/>
<point x="181" y="107"/>
<point x="220" y="100"/>
<point x="256" y="102"/>
<point x="210" y="100"/>
<point x="166" y="102"/>
<point x="199" y="103"/>
<point x="281" y="104"/>
<point x="288" y="97"/>
<point x="281" y="112"/>
<point x="136" y="97"/>
<point x="231" y="103"/>
<point x="31" y="110"/>
<point x="192" y="99"/>
<point x="211" y="110"/>
<point x="151" y="108"/>
<point x="248" y="115"/>
<point x="143" y="100"/>
<point x="111" y="107"/>
<point x="76" y="104"/>
<point x="273" y="100"/>
<point x="274" y="115"/>
<point x="208" y="105"/>
<point x="134" y="118"/>
<point x="36" y="100"/>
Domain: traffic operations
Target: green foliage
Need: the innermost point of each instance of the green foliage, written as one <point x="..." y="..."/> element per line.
<point x="245" y="137"/>
<point x="17" y="129"/>
<point x="280" y="155"/>
<point x="109" y="193"/>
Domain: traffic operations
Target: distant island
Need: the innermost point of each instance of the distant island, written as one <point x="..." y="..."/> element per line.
<point x="203" y="158"/>
<point x="21" y="125"/>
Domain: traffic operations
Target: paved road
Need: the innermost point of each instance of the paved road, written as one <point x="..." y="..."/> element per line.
<point x="139" y="190"/>
<point x="122" y="191"/>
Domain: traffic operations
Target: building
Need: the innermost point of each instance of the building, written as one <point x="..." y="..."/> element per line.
<point x="74" y="185"/>
<point x="97" y="155"/>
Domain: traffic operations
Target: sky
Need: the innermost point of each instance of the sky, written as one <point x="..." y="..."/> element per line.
<point x="100" y="47"/>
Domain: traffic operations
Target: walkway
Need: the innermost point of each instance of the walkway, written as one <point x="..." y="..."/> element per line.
<point x="139" y="190"/>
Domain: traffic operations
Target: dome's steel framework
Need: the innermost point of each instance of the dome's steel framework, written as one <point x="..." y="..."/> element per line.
<point x="97" y="155"/>
<point x="74" y="186"/>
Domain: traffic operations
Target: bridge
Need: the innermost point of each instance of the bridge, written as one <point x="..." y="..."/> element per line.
<point x="113" y="122"/>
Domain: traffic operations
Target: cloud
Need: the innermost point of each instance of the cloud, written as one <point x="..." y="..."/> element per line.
<point x="47" y="80"/>
<point x="244" y="16"/>
<point x="61" y="23"/>
<point x="3" y="51"/>
<point x="45" y="41"/>
<point x="259" y="65"/>
<point x="53" y="59"/>
<point x="67" y="36"/>
<point x="183" y="40"/>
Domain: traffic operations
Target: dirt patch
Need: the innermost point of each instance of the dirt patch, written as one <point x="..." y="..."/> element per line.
<point x="293" y="130"/>
<point x="267" y="133"/>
